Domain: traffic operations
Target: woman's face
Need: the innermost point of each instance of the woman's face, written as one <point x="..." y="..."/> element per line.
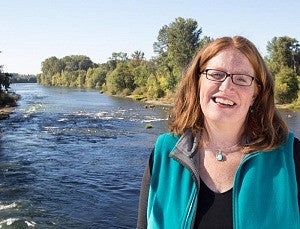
<point x="225" y="102"/>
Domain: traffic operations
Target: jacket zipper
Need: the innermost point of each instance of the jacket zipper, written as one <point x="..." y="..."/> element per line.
<point x="189" y="212"/>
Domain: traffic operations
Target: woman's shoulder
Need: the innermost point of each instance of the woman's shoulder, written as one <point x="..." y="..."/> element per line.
<point x="167" y="139"/>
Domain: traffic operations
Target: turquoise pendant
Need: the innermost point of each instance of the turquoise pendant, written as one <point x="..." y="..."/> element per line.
<point x="219" y="156"/>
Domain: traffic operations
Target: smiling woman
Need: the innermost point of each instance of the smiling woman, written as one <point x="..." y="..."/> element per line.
<point x="219" y="166"/>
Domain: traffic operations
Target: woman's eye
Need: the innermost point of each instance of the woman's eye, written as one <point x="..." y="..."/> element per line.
<point x="218" y="75"/>
<point x="241" y="79"/>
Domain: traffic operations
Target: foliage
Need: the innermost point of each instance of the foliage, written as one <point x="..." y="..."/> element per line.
<point x="154" y="89"/>
<point x="120" y="79"/>
<point x="76" y="62"/>
<point x="176" y="45"/>
<point x="283" y="51"/>
<point x="205" y="40"/>
<point x="95" y="77"/>
<point x="6" y="98"/>
<point x="286" y="86"/>
<point x="4" y="81"/>
<point x="120" y="75"/>
<point x="283" y="62"/>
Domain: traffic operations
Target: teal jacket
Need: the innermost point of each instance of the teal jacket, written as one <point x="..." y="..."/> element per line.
<point x="265" y="193"/>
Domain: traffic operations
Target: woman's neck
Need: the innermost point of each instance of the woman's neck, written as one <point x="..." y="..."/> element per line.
<point x="222" y="136"/>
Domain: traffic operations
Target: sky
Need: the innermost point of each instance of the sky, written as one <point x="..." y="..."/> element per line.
<point x="34" y="30"/>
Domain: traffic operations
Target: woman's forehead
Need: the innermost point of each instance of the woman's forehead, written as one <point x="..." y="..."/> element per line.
<point x="231" y="60"/>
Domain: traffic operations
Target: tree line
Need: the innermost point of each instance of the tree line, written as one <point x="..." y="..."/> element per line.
<point x="158" y="77"/>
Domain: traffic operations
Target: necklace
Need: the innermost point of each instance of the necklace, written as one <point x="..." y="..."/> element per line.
<point x="219" y="155"/>
<point x="220" y="152"/>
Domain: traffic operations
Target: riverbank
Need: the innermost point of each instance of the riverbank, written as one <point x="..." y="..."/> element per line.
<point x="290" y="106"/>
<point x="8" y="103"/>
<point x="165" y="101"/>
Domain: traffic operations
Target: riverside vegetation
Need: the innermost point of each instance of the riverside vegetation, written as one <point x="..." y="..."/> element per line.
<point x="8" y="99"/>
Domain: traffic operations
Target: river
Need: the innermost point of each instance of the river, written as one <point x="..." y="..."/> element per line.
<point x="72" y="158"/>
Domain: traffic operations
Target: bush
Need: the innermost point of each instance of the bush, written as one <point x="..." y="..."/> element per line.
<point x="126" y="92"/>
<point x="140" y="91"/>
<point x="139" y="97"/>
<point x="286" y="86"/>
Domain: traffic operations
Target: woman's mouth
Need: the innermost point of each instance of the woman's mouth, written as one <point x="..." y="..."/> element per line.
<point x="223" y="101"/>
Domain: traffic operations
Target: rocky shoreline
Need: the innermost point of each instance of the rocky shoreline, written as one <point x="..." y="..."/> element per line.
<point x="8" y="103"/>
<point x="5" y="112"/>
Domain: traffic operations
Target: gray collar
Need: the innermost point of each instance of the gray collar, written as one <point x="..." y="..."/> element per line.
<point x="186" y="153"/>
<point x="187" y="144"/>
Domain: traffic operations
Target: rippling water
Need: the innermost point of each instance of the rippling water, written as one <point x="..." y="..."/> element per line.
<point x="73" y="159"/>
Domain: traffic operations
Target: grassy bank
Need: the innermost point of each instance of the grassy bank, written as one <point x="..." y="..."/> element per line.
<point x="291" y="106"/>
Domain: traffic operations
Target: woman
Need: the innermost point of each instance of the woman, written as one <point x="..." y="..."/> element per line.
<point x="229" y="161"/>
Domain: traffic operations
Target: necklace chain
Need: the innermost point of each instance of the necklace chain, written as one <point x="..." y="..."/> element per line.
<point x="220" y="152"/>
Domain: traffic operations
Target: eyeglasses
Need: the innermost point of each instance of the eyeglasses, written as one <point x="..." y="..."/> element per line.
<point x="220" y="76"/>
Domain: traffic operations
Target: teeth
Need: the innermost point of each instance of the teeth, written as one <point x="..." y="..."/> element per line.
<point x="224" y="101"/>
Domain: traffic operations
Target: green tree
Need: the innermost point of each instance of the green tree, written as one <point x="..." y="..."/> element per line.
<point x="4" y="80"/>
<point x="140" y="75"/>
<point x="66" y="72"/>
<point x="154" y="89"/>
<point x="176" y="45"/>
<point x="95" y="77"/>
<point x="77" y="62"/>
<point x="56" y="80"/>
<point x="139" y="68"/>
<point x="286" y="86"/>
<point x="204" y="41"/>
<point x="120" y="79"/>
<point x="66" y="78"/>
<point x="80" y="78"/>
<point x="89" y="78"/>
<point x="283" y="51"/>
<point x="52" y="66"/>
<point x="116" y="57"/>
<point x="6" y="98"/>
<point x="138" y="57"/>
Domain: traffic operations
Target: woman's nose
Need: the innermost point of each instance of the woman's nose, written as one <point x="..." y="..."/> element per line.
<point x="226" y="84"/>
